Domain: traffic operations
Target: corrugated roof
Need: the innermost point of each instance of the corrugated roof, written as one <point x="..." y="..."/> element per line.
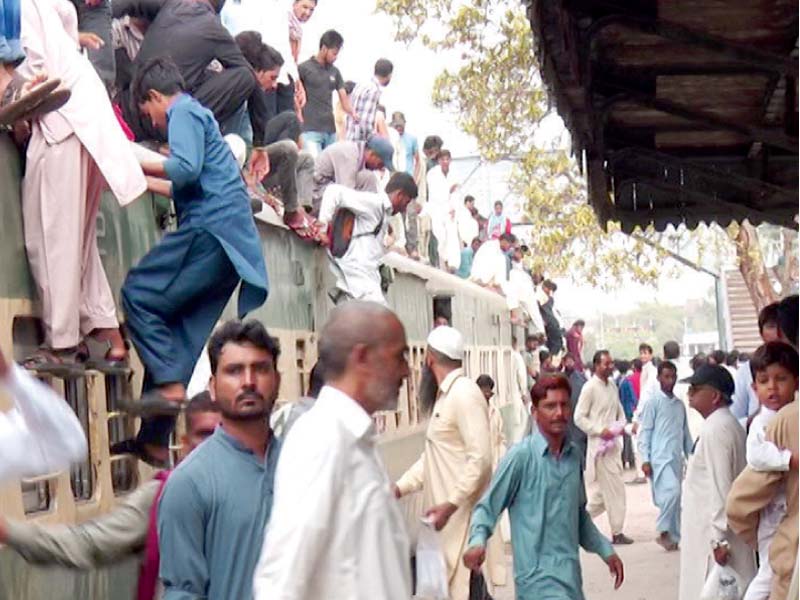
<point x="681" y="112"/>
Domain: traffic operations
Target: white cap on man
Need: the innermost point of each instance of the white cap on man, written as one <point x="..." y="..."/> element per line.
<point x="447" y="341"/>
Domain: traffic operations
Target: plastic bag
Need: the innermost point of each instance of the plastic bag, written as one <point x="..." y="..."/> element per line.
<point x="431" y="566"/>
<point x="722" y="584"/>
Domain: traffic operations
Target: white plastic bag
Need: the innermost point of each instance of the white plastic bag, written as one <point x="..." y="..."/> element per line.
<point x="723" y="583"/>
<point x="431" y="566"/>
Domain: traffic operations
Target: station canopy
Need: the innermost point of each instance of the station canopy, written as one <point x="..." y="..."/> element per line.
<point x="679" y="111"/>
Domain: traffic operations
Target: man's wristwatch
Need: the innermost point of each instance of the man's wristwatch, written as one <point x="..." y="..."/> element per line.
<point x="716" y="544"/>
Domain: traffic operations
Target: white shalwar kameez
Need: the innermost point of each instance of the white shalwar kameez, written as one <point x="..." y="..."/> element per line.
<point x="719" y="457"/>
<point x="357" y="272"/>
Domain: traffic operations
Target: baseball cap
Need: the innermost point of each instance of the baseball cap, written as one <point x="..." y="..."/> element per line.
<point x="447" y="341"/>
<point x="714" y="376"/>
<point x="382" y="148"/>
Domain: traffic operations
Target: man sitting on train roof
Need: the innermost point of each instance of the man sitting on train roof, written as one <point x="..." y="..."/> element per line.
<point x="116" y="535"/>
<point x="177" y="292"/>
<point x="360" y="222"/>
<point x="291" y="171"/>
<point x="490" y="264"/>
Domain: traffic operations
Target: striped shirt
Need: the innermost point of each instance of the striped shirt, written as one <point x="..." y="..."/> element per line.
<point x="365" y="100"/>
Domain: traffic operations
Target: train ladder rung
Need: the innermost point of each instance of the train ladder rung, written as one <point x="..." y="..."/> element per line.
<point x="42" y="478"/>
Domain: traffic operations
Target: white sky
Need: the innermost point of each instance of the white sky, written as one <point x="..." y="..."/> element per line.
<point x="368" y="36"/>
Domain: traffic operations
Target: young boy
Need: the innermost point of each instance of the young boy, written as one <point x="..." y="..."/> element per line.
<point x="664" y="444"/>
<point x="775" y="382"/>
<point x="177" y="292"/>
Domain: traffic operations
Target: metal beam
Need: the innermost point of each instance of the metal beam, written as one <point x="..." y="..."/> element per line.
<point x="771" y="136"/>
<point x="703" y="171"/>
<point x="736" y="211"/>
<point x="683" y="35"/>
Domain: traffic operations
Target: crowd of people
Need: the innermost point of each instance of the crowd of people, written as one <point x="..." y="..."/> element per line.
<point x="722" y="491"/>
<point x="312" y="513"/>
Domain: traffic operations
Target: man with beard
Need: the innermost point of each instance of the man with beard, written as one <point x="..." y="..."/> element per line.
<point x="539" y="482"/>
<point x="457" y="462"/>
<point x="336" y="531"/>
<point x="599" y="414"/>
<point x="216" y="503"/>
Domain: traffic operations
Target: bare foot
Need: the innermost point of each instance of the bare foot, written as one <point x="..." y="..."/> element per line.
<point x="117" y="351"/>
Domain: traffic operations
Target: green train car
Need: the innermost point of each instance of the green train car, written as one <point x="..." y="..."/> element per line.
<point x="298" y="305"/>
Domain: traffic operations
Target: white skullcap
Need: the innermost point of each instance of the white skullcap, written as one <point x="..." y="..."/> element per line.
<point x="447" y="341"/>
<point x="238" y="147"/>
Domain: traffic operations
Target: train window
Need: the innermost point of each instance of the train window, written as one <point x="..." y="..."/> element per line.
<point x="121" y="426"/>
<point x="442" y="310"/>
<point x="38" y="494"/>
<point x="301" y="368"/>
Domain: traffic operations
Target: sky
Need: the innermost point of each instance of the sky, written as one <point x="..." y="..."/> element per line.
<point x="368" y="36"/>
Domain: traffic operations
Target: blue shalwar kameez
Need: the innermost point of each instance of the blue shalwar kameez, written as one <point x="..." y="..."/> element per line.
<point x="664" y="441"/>
<point x="174" y="297"/>
<point x="546" y="501"/>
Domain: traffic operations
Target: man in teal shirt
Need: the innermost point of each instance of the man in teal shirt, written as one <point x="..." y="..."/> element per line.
<point x="467" y="256"/>
<point x="541" y="484"/>
<point x="216" y="504"/>
<point x="665" y="444"/>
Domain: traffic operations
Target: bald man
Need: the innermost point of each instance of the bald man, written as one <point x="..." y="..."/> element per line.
<point x="335" y="527"/>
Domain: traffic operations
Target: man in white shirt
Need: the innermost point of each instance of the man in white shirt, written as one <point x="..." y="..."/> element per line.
<point x="468" y="228"/>
<point x="490" y="265"/>
<point x="442" y="210"/>
<point x="600" y="416"/>
<point x="718" y="458"/>
<point x="335" y="531"/>
<point x="40" y="433"/>
<point x="356" y="270"/>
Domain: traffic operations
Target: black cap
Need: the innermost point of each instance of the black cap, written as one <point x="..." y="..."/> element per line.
<point x="715" y="376"/>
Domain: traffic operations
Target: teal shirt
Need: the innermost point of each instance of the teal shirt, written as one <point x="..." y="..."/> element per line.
<point x="664" y="435"/>
<point x="467" y="256"/>
<point x="546" y="502"/>
<point x="211" y="520"/>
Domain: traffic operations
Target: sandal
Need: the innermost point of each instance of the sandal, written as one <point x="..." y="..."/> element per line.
<point x="139" y="450"/>
<point x="108" y="365"/>
<point x="42" y="99"/>
<point x="305" y="226"/>
<point x="61" y="363"/>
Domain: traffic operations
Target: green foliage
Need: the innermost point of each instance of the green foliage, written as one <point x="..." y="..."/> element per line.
<point x="499" y="99"/>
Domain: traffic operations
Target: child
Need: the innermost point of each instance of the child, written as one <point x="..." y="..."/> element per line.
<point x="775" y="382"/>
<point x="664" y="443"/>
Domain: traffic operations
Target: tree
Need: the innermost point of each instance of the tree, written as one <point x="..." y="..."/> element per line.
<point x="499" y="99"/>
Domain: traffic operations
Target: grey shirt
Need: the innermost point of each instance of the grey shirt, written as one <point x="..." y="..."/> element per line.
<point x="101" y="541"/>
<point x="320" y="82"/>
<point x="338" y="163"/>
<point x="211" y="520"/>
